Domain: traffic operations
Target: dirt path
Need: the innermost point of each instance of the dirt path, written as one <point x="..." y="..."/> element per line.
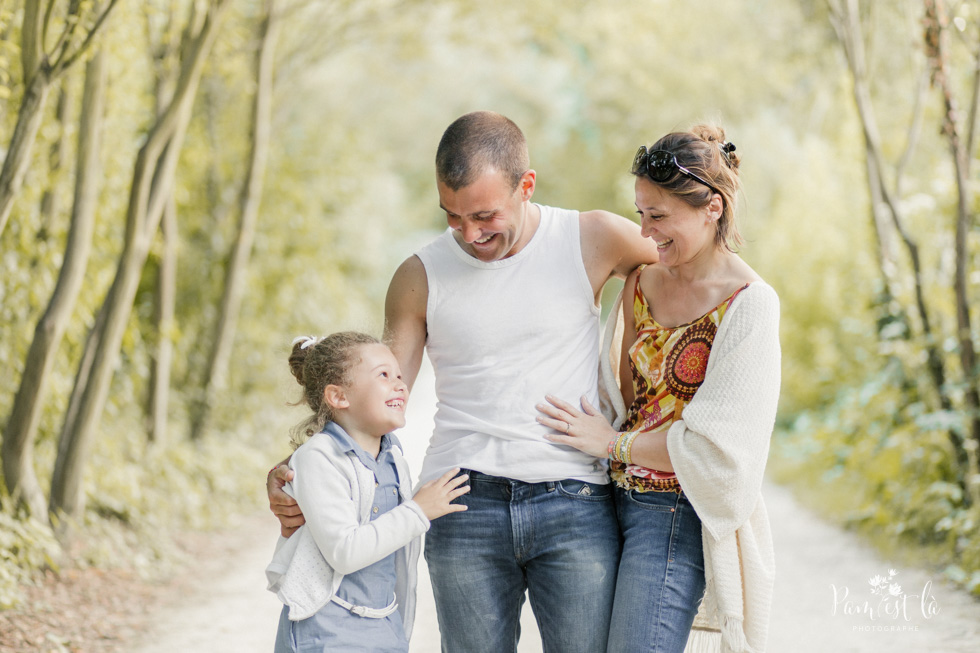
<point x="823" y="599"/>
<point x="224" y="606"/>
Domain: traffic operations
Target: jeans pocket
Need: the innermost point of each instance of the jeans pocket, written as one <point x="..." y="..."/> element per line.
<point x="583" y="490"/>
<point x="653" y="501"/>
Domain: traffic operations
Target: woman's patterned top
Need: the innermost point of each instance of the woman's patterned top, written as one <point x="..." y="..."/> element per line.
<point x="668" y="366"/>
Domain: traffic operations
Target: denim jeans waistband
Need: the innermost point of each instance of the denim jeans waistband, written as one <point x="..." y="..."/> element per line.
<point x="479" y="478"/>
<point x="499" y="486"/>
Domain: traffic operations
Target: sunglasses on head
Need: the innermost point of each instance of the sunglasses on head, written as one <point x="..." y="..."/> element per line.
<point x="661" y="165"/>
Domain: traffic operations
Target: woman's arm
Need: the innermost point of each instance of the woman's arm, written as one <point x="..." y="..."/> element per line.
<point x="719" y="448"/>
<point x="629" y="337"/>
<point x="586" y="429"/>
<point x="736" y="403"/>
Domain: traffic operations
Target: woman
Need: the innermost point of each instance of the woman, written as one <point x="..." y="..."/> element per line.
<point x="689" y="456"/>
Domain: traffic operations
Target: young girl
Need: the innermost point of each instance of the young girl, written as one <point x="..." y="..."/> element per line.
<point x="347" y="577"/>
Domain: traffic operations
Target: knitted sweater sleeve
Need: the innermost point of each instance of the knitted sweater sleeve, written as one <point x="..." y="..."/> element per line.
<point x="719" y="448"/>
<point x="324" y="494"/>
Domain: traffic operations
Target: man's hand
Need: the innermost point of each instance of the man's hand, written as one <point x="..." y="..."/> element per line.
<point x="283" y="506"/>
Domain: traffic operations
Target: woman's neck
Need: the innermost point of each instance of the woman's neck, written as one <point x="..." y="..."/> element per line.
<point x="705" y="266"/>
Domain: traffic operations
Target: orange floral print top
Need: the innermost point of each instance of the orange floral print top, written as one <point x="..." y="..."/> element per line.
<point x="668" y="366"/>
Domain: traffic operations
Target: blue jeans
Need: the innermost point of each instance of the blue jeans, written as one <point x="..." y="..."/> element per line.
<point x="557" y="540"/>
<point x="661" y="574"/>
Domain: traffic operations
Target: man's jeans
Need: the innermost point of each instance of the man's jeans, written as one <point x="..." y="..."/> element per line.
<point x="661" y="575"/>
<point x="557" y="540"/>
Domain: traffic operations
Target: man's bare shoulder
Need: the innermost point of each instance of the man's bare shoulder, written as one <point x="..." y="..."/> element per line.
<point x="409" y="284"/>
<point x="411" y="270"/>
<point x="616" y="244"/>
<point x="598" y="220"/>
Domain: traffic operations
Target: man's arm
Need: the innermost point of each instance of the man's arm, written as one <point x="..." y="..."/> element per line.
<point x="612" y="247"/>
<point x="283" y="506"/>
<point x="405" y="329"/>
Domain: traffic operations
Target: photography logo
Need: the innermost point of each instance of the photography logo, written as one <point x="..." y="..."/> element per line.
<point x="887" y="607"/>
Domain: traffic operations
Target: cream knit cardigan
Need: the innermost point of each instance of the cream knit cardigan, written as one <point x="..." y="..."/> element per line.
<point x="718" y="451"/>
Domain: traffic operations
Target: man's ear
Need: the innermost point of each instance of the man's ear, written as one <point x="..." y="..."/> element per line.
<point x="527" y="184"/>
<point x="335" y="396"/>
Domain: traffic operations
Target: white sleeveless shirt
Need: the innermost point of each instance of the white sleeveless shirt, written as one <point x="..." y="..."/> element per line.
<point x="501" y="335"/>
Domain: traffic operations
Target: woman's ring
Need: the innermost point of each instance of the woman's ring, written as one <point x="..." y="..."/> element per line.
<point x="567" y="426"/>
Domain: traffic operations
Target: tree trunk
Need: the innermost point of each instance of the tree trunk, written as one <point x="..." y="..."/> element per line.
<point x="22" y="142"/>
<point x="49" y="199"/>
<point x="936" y="50"/>
<point x="163" y="319"/>
<point x="152" y="183"/>
<point x="847" y="25"/>
<point x="165" y="290"/>
<point x="40" y="70"/>
<point x="21" y="430"/>
<point x="249" y="202"/>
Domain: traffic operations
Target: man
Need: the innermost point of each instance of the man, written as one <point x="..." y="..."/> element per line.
<point x="506" y="302"/>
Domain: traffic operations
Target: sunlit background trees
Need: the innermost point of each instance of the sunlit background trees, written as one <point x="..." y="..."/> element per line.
<point x="188" y="184"/>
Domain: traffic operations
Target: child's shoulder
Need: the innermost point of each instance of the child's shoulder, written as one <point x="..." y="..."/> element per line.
<point x="320" y="445"/>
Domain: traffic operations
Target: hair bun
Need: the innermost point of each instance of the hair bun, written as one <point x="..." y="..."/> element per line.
<point x="709" y="133"/>
<point x="301" y="347"/>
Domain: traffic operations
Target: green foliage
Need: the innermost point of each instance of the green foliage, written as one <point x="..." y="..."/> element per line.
<point x="27" y="546"/>
<point x="874" y="462"/>
<point x="141" y="498"/>
<point x="363" y="92"/>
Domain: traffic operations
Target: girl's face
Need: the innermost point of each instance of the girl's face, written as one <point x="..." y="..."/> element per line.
<point x="376" y="396"/>
<point x="683" y="233"/>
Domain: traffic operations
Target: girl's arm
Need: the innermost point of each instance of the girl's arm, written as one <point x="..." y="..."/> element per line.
<point x="324" y="494"/>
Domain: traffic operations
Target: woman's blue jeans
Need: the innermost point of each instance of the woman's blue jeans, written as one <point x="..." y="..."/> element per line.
<point x="661" y="573"/>
<point x="557" y="540"/>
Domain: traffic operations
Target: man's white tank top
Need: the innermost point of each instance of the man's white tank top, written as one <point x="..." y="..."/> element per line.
<point x="501" y="335"/>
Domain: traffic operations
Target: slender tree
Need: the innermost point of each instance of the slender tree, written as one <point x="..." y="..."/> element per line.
<point x="21" y="430"/>
<point x="887" y="215"/>
<point x="152" y="182"/>
<point x="40" y="68"/>
<point x="937" y="52"/>
<point x="165" y="53"/>
<point x="164" y="310"/>
<point x="248" y="211"/>
<point x="56" y="156"/>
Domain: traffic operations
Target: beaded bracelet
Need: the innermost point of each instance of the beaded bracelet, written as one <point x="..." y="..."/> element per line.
<point x="621" y="447"/>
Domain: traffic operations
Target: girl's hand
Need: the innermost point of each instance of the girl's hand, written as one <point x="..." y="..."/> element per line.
<point x="586" y="430"/>
<point x="435" y="497"/>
